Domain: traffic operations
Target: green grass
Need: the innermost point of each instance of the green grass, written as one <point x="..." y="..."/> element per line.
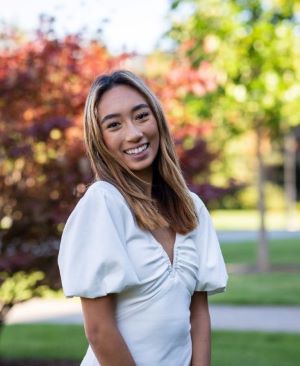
<point x="40" y="341"/>
<point x="255" y="349"/>
<point x="285" y="251"/>
<point x="274" y="288"/>
<point x="229" y="348"/>
<point x="248" y="219"/>
<point x="261" y="289"/>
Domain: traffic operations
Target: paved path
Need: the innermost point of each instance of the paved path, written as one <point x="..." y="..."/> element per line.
<point x="244" y="235"/>
<point x="261" y="318"/>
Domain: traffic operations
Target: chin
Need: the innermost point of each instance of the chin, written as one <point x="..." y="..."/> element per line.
<point x="139" y="168"/>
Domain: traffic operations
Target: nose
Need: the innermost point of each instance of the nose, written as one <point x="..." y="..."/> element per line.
<point x="133" y="132"/>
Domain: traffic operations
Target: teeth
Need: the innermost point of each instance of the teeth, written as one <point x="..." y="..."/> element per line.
<point x="137" y="150"/>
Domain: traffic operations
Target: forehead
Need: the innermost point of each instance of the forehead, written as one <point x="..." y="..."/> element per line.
<point x="119" y="99"/>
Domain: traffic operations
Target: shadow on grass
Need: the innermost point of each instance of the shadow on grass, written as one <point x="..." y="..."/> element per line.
<point x="38" y="363"/>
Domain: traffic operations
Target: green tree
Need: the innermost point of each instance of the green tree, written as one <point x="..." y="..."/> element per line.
<point x="255" y="46"/>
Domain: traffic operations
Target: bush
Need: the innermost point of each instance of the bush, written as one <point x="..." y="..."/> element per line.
<point x="275" y="199"/>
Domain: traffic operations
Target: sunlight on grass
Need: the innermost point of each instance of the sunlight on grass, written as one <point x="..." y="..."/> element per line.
<point x="249" y="220"/>
<point x="285" y="251"/>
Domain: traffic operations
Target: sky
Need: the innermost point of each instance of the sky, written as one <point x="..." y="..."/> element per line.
<point x="128" y="25"/>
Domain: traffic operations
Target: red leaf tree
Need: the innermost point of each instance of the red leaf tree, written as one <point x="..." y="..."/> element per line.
<point x="43" y="86"/>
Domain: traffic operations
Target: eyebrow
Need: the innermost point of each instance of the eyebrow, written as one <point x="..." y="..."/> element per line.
<point x="134" y="109"/>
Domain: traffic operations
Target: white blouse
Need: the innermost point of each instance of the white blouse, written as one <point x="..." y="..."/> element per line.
<point x="104" y="251"/>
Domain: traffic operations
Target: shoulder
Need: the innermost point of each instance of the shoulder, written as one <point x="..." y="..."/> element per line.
<point x="104" y="189"/>
<point x="103" y="200"/>
<point x="101" y="193"/>
<point x="92" y="256"/>
<point x="202" y="211"/>
<point x="101" y="208"/>
<point x="199" y="204"/>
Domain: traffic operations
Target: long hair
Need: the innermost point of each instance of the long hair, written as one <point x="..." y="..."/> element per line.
<point x="171" y="204"/>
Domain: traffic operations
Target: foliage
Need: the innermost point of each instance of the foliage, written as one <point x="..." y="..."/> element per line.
<point x="17" y="288"/>
<point x="255" y="52"/>
<point x="275" y="199"/>
<point x="253" y="48"/>
<point x="196" y="162"/>
<point x="181" y="88"/>
<point x="43" y="86"/>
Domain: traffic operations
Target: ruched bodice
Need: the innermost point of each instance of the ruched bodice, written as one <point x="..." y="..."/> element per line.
<point x="104" y="251"/>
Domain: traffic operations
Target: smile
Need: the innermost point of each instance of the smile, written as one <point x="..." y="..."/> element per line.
<point x="137" y="150"/>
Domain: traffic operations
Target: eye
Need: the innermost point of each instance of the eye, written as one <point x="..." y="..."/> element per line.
<point x="142" y="115"/>
<point x="112" y="125"/>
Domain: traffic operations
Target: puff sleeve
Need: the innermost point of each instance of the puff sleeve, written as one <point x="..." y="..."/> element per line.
<point x="93" y="260"/>
<point x="212" y="274"/>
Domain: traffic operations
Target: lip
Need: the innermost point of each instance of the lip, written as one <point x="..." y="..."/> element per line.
<point x="136" y="147"/>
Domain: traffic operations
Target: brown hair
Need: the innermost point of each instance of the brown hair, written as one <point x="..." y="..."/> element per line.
<point x="171" y="204"/>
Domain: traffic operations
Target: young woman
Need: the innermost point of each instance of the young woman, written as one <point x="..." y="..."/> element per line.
<point x="139" y="248"/>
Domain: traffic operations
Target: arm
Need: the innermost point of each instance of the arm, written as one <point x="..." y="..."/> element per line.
<point x="200" y="330"/>
<point x="102" y="333"/>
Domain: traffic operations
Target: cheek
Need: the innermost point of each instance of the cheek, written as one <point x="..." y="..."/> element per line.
<point x="105" y="139"/>
<point x="110" y="141"/>
<point x="153" y="131"/>
<point x="157" y="138"/>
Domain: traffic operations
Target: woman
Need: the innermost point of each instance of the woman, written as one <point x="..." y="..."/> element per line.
<point x="139" y="248"/>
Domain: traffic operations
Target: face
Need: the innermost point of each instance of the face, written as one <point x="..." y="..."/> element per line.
<point x="129" y="129"/>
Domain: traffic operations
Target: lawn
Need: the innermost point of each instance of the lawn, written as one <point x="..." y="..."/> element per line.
<point x="39" y="341"/>
<point x="248" y="219"/>
<point x="274" y="288"/>
<point x="229" y="348"/>
<point x="255" y="349"/>
<point x="261" y="289"/>
<point x="284" y="251"/>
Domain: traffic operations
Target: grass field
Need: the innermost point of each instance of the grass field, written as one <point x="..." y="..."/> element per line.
<point x="284" y="251"/>
<point x="274" y="288"/>
<point x="261" y="289"/>
<point x="249" y="219"/>
<point x="40" y="341"/>
<point x="229" y="348"/>
<point x="255" y="349"/>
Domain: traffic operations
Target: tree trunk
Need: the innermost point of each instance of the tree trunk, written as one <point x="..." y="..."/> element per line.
<point x="4" y="309"/>
<point x="290" y="181"/>
<point x="263" y="252"/>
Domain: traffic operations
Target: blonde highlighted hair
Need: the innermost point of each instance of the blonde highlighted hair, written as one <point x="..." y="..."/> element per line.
<point x="171" y="204"/>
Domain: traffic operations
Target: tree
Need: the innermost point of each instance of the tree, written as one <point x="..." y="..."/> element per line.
<point x="43" y="167"/>
<point x="255" y="48"/>
<point x="180" y="86"/>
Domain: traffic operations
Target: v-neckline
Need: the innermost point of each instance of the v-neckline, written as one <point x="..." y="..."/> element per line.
<point x="171" y="263"/>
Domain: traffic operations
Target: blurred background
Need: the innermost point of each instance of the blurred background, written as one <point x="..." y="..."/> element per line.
<point x="228" y="75"/>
